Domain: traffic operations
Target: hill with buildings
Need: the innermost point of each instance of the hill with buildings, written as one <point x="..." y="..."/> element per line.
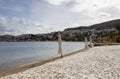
<point x="105" y="30"/>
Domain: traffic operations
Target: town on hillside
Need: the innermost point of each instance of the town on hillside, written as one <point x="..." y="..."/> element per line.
<point x="106" y="32"/>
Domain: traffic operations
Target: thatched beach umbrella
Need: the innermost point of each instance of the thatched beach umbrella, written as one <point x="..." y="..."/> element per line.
<point x="86" y="43"/>
<point x="60" y="45"/>
<point x="91" y="43"/>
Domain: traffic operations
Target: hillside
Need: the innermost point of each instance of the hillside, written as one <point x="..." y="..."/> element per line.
<point x="69" y="34"/>
<point x="99" y="26"/>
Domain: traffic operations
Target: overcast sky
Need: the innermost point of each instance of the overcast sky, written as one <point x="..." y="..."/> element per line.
<point x="43" y="16"/>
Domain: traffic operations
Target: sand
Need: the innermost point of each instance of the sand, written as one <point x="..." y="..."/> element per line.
<point x="101" y="62"/>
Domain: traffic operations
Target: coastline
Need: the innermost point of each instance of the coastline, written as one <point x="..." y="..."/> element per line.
<point x="102" y="44"/>
<point x="100" y="62"/>
<point x="35" y="64"/>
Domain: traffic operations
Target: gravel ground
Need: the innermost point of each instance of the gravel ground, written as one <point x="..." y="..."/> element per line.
<point x="96" y="63"/>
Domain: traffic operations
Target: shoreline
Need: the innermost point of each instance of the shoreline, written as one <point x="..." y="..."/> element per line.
<point x="103" y="44"/>
<point x="35" y="64"/>
<point x="100" y="62"/>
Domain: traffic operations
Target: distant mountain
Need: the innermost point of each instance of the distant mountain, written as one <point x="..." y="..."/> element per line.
<point x="99" y="26"/>
<point x="69" y="34"/>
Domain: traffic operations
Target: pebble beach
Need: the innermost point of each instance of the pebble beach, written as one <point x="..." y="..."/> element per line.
<point x="102" y="62"/>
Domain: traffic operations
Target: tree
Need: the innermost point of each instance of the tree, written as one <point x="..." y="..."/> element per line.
<point x="117" y="26"/>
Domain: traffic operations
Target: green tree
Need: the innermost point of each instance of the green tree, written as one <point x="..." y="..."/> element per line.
<point x="117" y="26"/>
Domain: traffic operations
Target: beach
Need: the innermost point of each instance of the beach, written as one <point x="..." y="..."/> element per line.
<point x="102" y="62"/>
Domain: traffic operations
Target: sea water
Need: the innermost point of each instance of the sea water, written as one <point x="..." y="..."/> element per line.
<point x="13" y="54"/>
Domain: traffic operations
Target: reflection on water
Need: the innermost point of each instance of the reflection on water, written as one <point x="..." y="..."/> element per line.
<point x="17" y="53"/>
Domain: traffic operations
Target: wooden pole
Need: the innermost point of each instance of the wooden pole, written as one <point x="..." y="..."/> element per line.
<point x="60" y="45"/>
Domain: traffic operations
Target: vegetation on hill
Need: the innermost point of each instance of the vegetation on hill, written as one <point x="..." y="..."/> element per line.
<point x="103" y="32"/>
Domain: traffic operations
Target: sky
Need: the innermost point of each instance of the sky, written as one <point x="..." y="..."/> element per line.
<point x="45" y="16"/>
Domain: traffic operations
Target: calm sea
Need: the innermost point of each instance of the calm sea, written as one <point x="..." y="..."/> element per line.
<point x="13" y="54"/>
